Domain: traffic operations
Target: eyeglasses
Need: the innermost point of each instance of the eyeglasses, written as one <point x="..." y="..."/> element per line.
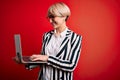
<point x="52" y="16"/>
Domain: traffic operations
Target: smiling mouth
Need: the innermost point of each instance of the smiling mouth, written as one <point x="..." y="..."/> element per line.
<point x="53" y="23"/>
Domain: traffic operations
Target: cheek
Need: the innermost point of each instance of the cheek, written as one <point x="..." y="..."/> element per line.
<point x="57" y="21"/>
<point x="60" y="21"/>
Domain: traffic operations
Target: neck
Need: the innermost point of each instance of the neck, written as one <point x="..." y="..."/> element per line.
<point x="61" y="29"/>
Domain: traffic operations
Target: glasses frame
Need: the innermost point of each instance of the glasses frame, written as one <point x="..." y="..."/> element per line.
<point x="52" y="16"/>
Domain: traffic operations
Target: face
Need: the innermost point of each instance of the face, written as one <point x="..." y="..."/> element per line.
<point x="57" y="21"/>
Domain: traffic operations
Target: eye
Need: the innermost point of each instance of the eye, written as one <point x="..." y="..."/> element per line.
<point x="51" y="16"/>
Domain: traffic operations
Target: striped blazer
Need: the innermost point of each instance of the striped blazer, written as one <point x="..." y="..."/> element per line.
<point x="64" y="63"/>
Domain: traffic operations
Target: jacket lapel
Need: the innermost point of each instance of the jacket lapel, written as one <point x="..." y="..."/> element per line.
<point x="64" y="43"/>
<point x="47" y="39"/>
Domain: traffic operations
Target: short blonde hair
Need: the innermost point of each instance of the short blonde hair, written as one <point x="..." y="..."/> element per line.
<point x="59" y="9"/>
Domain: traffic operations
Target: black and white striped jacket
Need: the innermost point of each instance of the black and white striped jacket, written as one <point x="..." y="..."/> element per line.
<point x="64" y="63"/>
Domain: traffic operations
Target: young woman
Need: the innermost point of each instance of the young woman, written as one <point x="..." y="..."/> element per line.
<point x="60" y="47"/>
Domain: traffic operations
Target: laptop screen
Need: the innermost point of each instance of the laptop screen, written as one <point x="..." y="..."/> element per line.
<point x="18" y="46"/>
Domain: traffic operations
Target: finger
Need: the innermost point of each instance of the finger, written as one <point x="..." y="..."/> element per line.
<point x="35" y="59"/>
<point x="33" y="56"/>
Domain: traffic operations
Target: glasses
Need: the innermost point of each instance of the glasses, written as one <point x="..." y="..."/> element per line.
<point x="52" y="16"/>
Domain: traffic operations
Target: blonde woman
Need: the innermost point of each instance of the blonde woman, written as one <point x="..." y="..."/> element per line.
<point x="60" y="48"/>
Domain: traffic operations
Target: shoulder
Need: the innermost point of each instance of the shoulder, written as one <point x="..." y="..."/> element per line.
<point x="48" y="33"/>
<point x="74" y="34"/>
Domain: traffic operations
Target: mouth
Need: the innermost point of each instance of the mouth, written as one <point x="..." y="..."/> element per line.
<point x="53" y="23"/>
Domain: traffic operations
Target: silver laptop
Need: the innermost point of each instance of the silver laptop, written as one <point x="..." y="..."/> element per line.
<point x="23" y="59"/>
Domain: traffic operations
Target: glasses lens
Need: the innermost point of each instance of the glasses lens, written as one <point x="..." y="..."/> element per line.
<point x="51" y="16"/>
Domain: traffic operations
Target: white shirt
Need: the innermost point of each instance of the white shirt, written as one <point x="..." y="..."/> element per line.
<point x="52" y="49"/>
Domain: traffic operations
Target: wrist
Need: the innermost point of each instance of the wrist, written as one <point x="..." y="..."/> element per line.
<point x="47" y="57"/>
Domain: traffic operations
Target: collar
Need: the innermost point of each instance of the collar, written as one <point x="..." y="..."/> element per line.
<point x="63" y="33"/>
<point x="68" y="32"/>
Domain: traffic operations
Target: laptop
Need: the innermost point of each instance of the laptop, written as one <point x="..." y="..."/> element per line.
<point x="23" y="59"/>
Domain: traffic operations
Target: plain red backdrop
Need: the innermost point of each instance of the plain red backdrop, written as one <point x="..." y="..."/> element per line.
<point x="98" y="21"/>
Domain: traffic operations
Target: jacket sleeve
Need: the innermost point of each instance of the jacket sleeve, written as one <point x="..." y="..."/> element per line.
<point x="68" y="65"/>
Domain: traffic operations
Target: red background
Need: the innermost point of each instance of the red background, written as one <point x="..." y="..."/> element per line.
<point x="98" y="21"/>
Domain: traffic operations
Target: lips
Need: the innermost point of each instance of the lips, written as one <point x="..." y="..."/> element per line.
<point x="54" y="23"/>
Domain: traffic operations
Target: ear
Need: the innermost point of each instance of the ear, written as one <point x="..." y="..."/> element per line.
<point x="66" y="18"/>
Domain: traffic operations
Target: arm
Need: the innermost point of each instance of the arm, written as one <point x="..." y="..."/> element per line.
<point x="68" y="65"/>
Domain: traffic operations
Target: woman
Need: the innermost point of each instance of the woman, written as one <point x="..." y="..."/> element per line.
<point x="60" y="48"/>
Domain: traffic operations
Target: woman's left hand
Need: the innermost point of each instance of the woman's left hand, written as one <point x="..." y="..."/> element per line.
<point x="39" y="57"/>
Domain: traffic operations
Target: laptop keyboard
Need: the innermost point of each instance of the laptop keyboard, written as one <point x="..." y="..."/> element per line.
<point x="26" y="59"/>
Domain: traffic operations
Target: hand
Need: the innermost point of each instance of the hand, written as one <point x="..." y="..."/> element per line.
<point x="39" y="57"/>
<point x="17" y="60"/>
